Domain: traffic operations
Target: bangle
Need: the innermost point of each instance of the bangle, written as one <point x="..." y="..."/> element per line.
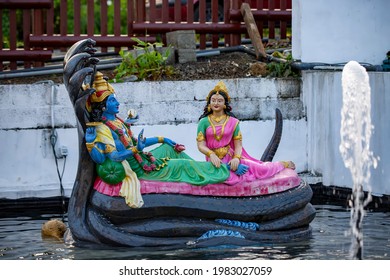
<point x="160" y="139"/>
<point x="237" y="156"/>
<point x="90" y="146"/>
<point x="209" y="153"/>
<point x="108" y="149"/>
<point x="134" y="150"/>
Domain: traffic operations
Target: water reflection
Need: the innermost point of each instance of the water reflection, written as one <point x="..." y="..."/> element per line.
<point x="20" y="238"/>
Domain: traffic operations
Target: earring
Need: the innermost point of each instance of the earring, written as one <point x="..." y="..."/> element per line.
<point x="103" y="109"/>
<point x="224" y="106"/>
<point x="209" y="108"/>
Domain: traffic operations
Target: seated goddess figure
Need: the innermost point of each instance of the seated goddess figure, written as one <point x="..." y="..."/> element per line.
<point x="219" y="138"/>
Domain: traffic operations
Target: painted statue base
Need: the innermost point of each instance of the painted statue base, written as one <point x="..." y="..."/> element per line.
<point x="179" y="220"/>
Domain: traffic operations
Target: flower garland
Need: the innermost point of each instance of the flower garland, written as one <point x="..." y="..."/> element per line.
<point x="120" y="130"/>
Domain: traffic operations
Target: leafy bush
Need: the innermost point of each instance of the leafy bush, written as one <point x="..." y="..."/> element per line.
<point x="282" y="69"/>
<point x="149" y="64"/>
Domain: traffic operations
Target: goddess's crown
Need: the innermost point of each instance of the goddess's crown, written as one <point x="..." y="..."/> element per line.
<point x="220" y="87"/>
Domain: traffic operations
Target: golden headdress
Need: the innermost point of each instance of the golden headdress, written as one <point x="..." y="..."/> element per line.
<point x="102" y="90"/>
<point x="220" y="87"/>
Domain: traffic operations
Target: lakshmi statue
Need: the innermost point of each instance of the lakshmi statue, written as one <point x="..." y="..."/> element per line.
<point x="219" y="138"/>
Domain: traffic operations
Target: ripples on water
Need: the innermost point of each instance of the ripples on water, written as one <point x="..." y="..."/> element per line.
<point x="20" y="238"/>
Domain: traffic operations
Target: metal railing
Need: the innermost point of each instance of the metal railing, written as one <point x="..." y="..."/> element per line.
<point x="32" y="31"/>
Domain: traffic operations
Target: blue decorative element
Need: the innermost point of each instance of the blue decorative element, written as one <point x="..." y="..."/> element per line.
<point x="250" y="225"/>
<point x="219" y="233"/>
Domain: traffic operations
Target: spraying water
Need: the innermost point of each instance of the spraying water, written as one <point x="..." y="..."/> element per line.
<point x="356" y="129"/>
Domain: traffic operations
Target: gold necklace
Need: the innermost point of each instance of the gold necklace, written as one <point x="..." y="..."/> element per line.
<point x="218" y="119"/>
<point x="216" y="136"/>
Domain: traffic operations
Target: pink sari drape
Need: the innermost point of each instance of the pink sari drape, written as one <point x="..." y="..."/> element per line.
<point x="257" y="169"/>
<point x="282" y="181"/>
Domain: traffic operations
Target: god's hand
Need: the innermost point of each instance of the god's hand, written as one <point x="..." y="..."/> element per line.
<point x="169" y="142"/>
<point x="90" y="134"/>
<point x="242" y="169"/>
<point x="141" y="141"/>
<point x="132" y="117"/>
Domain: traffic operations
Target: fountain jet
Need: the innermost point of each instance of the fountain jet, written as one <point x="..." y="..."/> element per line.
<point x="356" y="129"/>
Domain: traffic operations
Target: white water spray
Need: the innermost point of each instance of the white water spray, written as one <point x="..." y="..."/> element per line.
<point x="356" y="129"/>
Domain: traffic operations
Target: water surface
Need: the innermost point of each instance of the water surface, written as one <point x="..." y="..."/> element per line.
<point x="20" y="239"/>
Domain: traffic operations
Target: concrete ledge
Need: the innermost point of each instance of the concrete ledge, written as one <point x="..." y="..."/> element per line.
<point x="334" y="195"/>
<point x="35" y="106"/>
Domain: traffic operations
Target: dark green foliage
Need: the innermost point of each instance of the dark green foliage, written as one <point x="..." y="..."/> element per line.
<point x="149" y="64"/>
<point x="282" y="69"/>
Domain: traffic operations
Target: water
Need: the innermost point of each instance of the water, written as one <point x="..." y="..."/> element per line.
<point x="356" y="130"/>
<point x="20" y="239"/>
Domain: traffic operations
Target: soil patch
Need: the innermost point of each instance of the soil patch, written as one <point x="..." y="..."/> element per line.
<point x="223" y="66"/>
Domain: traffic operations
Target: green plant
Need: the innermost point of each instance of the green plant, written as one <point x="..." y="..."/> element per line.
<point x="282" y="69"/>
<point x="149" y="64"/>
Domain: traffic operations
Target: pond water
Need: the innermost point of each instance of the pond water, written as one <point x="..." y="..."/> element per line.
<point x="20" y="239"/>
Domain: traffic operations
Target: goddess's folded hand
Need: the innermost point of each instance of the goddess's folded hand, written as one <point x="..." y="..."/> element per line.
<point x="234" y="163"/>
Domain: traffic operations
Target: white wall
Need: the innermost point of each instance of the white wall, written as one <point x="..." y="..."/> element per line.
<point x="337" y="31"/>
<point x="322" y="96"/>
